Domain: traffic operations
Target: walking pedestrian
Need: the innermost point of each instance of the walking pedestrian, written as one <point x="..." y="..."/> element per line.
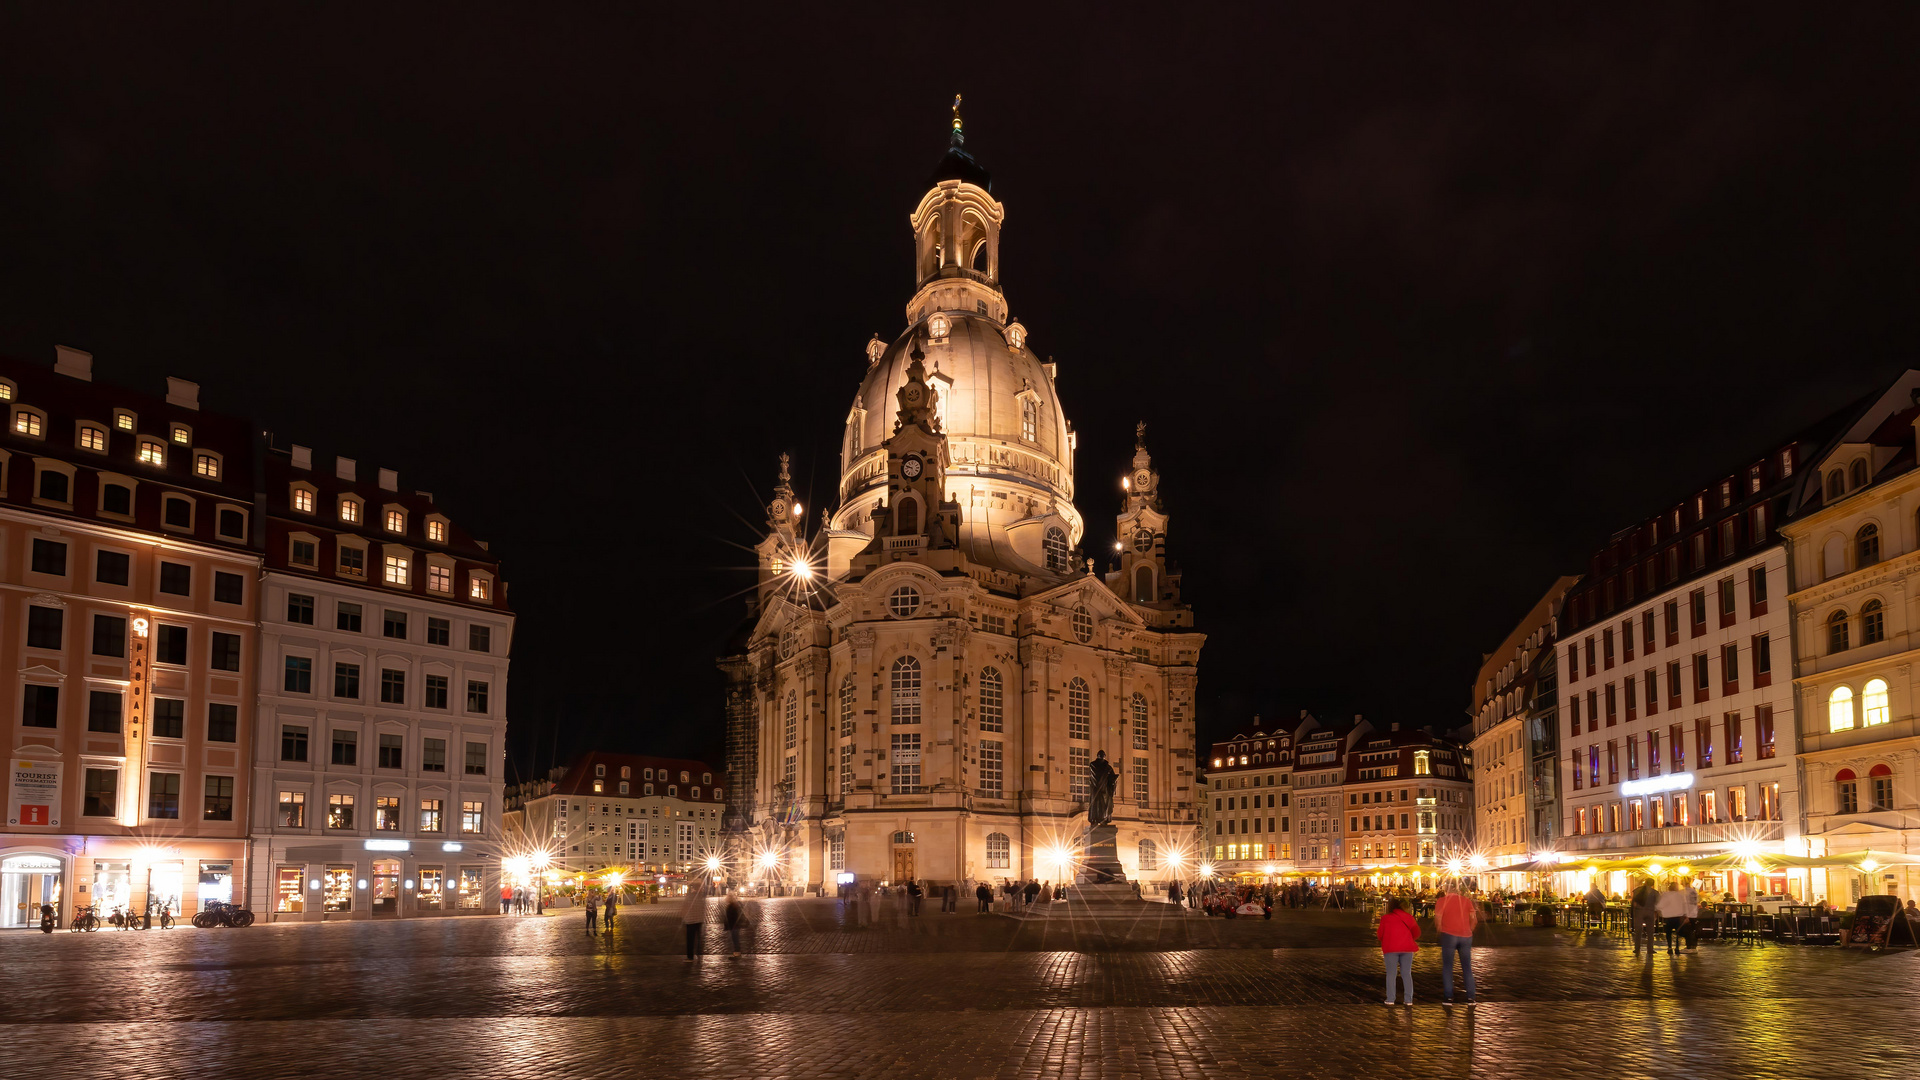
<point x="985" y="896"/>
<point x="914" y="892"/>
<point x="1596" y="905"/>
<point x="952" y="900"/>
<point x="1398" y="935"/>
<point x="694" y="917"/>
<point x="593" y="912"/>
<point x="1645" y="913"/>
<point x="506" y="899"/>
<point x="735" y="917"/>
<point x="1672" y="906"/>
<point x="1456" y="916"/>
<point x="1692" y="925"/>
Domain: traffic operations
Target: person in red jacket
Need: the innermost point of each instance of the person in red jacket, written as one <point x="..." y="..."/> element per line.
<point x="1398" y="939"/>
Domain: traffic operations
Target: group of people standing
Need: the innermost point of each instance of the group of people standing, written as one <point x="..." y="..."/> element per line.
<point x="519" y="900"/>
<point x="595" y="906"/>
<point x="1455" y="915"/>
<point x="1675" y="908"/>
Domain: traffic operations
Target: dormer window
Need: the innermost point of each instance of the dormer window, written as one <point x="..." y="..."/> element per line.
<point x="1753" y="480"/>
<point x="206" y="463"/>
<point x="302" y="499"/>
<point x="122" y="420"/>
<point x="93" y="437"/>
<point x="1858" y="475"/>
<point x="350" y="510"/>
<point x="480" y="587"/>
<point x="1726" y="494"/>
<point x="1029" y="418"/>
<point x="29" y="422"/>
<point x="397" y="570"/>
<point x="6" y="390"/>
<point x="153" y="452"/>
<point x="183" y="435"/>
<point x="437" y="530"/>
<point x="440" y="579"/>
<point x="396" y="521"/>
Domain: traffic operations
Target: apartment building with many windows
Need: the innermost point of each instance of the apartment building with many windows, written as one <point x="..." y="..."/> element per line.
<point x="1675" y="685"/>
<point x="1508" y="789"/>
<point x="1408" y="799"/>
<point x="1246" y="813"/>
<point x="381" y="720"/>
<point x="128" y="591"/>
<point x="1319" y="794"/>
<point x="620" y="812"/>
<point x="1855" y="542"/>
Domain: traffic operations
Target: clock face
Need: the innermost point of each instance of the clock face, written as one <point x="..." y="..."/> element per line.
<point x="910" y="468"/>
<point x="1143" y="541"/>
<point x="1142" y="480"/>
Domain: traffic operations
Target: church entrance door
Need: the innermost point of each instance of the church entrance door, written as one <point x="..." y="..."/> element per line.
<point x="902" y="865"/>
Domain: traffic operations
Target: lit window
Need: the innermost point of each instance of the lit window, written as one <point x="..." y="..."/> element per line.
<point x="153" y="452"/>
<point x="27" y="423"/>
<point x="303" y="500"/>
<point x="396" y="570"/>
<point x="437" y="531"/>
<point x="6" y="390"/>
<point x="123" y="420"/>
<point x="182" y="434"/>
<point x="1029" y="419"/>
<point x="1840" y="709"/>
<point x="396" y="521"/>
<point x="349" y="510"/>
<point x="206" y="465"/>
<point x="92" y="438"/>
<point x="440" y="579"/>
<point x="1874" y="703"/>
<point x="480" y="588"/>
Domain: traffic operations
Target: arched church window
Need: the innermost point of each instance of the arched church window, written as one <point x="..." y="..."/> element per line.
<point x="906" y="518"/>
<point x="1149" y="855"/>
<point x="1143" y="585"/>
<point x="1055" y="548"/>
<point x="793" y="720"/>
<point x="1079" y="710"/>
<point x="1837" y="632"/>
<point x="1139" y="721"/>
<point x="903" y="602"/>
<point x="980" y="256"/>
<point x="846" y="707"/>
<point x="1082" y="624"/>
<point x="992" y="700"/>
<point x="906" y="690"/>
<point x="1029" y="419"/>
<point x="1840" y="709"/>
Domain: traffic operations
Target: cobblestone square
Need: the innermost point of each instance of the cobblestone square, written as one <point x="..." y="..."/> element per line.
<point x="940" y="995"/>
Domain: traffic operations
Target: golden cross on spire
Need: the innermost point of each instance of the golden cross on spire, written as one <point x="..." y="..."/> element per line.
<point x="956" y="112"/>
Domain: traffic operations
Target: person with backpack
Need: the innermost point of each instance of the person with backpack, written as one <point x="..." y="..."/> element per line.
<point x="1399" y="936"/>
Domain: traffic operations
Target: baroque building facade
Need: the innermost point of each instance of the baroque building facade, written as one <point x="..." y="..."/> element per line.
<point x="925" y="680"/>
<point x="1513" y="771"/>
<point x="1855" y="564"/>
<point x="625" y="813"/>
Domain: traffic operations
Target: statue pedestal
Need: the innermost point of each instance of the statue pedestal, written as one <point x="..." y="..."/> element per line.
<point x="1102" y="862"/>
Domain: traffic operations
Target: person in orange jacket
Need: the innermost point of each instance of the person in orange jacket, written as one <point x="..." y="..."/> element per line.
<point x="1399" y="936"/>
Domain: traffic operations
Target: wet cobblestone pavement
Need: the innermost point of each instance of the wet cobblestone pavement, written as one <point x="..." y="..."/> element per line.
<point x="959" y="996"/>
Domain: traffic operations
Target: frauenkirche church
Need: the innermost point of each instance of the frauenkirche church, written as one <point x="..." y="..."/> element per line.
<point x="927" y="677"/>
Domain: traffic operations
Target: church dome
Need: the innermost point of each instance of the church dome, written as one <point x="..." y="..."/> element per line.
<point x="1009" y="442"/>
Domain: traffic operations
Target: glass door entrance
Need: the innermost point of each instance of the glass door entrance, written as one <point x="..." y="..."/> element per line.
<point x="26" y="882"/>
<point x="386" y="887"/>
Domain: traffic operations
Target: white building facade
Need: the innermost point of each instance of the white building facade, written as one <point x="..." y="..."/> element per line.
<point x="381" y="722"/>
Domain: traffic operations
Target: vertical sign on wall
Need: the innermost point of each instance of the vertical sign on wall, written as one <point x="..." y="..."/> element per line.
<point x="139" y="668"/>
<point x="33" y="797"/>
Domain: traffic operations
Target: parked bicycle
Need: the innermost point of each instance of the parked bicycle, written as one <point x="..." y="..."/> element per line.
<point x="218" y="913"/>
<point x="86" y="919"/>
<point x="166" y="913"/>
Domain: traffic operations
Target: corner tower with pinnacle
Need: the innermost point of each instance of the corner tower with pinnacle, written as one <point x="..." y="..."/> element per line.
<point x="929" y="680"/>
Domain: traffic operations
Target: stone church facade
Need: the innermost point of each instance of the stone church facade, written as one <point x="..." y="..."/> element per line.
<point x="927" y="674"/>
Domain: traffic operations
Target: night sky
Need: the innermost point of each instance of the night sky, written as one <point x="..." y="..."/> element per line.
<point x="1417" y="310"/>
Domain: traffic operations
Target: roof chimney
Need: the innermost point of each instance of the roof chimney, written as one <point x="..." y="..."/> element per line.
<point x="73" y="363"/>
<point x="343" y="467"/>
<point x="389" y="480"/>
<point x="183" y="393"/>
<point x="302" y="456"/>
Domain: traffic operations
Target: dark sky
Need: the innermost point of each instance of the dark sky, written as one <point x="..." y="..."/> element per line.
<point x="1418" y="310"/>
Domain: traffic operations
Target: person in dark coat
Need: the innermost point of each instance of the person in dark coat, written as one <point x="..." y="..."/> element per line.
<point x="985" y="896"/>
<point x="736" y="918"/>
<point x="1032" y="892"/>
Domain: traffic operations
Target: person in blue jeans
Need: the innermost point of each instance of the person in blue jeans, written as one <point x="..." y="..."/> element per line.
<point x="1455" y="916"/>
